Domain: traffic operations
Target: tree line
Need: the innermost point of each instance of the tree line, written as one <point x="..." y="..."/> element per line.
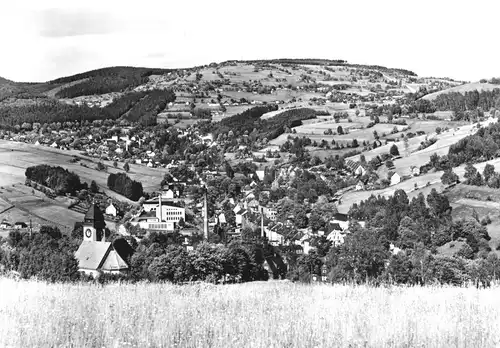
<point x="106" y="80"/>
<point x="249" y="122"/>
<point x="49" y="255"/>
<point x="125" y="186"/>
<point x="57" y="178"/>
<point x="482" y="146"/>
<point x="134" y="106"/>
<point x="418" y="228"/>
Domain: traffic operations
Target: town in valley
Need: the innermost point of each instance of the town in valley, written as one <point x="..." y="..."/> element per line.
<point x="311" y="170"/>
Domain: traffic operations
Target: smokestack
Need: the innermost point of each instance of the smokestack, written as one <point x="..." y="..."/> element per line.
<point x="159" y="212"/>
<point x="205" y="216"/>
<point x="262" y="222"/>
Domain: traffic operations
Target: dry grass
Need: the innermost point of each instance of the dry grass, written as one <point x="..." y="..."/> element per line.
<point x="273" y="314"/>
<point x="16" y="157"/>
<point x="468" y="87"/>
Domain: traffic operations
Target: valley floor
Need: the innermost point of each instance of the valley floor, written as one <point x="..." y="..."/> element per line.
<point x="261" y="314"/>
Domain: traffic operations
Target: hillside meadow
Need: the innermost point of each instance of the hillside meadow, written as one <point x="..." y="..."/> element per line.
<point x="260" y="314"/>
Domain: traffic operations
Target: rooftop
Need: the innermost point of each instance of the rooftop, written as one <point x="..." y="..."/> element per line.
<point x="90" y="255"/>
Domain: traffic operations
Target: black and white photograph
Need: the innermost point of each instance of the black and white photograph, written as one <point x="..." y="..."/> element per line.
<point x="258" y="174"/>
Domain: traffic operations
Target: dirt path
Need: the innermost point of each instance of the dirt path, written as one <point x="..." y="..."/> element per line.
<point x="476" y="203"/>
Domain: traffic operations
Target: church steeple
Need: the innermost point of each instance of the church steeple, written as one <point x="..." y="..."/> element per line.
<point x="205" y="215"/>
<point x="93" y="224"/>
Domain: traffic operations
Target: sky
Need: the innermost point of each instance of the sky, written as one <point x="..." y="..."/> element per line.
<point x="43" y="40"/>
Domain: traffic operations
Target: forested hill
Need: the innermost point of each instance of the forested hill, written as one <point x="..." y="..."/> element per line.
<point x="105" y="80"/>
<point x="138" y="94"/>
<point x="45" y="102"/>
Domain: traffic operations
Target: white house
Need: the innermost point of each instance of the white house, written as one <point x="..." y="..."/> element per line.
<point x="168" y="194"/>
<point x="336" y="237"/>
<point x="395" y="179"/>
<point x="240" y="215"/>
<point x="360" y="186"/>
<point x="111" y="210"/>
<point x="394" y="249"/>
<point x="260" y="174"/>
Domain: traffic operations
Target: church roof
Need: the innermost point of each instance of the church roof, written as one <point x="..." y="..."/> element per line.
<point x="90" y="255"/>
<point x="114" y="262"/>
<point x="94" y="213"/>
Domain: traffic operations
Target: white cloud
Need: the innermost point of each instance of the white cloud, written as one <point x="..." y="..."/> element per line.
<point x="47" y="39"/>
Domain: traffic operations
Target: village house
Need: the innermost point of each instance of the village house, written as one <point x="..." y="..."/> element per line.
<point x="95" y="255"/>
<point x="240" y="217"/>
<point x="273" y="236"/>
<point x="336" y="235"/>
<point x="360" y="186"/>
<point x="19" y="224"/>
<point x="341" y="219"/>
<point x="355" y="168"/>
<point x="395" y="179"/>
<point x="111" y="210"/>
<point x="252" y="205"/>
<point x="270" y="212"/>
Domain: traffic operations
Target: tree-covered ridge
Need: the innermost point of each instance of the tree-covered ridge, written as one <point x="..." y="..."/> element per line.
<point x="306" y="61"/>
<point x="468" y="101"/>
<point x="47" y="111"/>
<point x="249" y="122"/>
<point x="148" y="105"/>
<point x="106" y="80"/>
<point x="327" y="62"/>
<point x="137" y="106"/>
<point x="57" y="178"/>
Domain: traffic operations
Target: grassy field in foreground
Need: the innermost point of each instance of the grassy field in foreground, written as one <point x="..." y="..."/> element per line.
<point x="272" y="314"/>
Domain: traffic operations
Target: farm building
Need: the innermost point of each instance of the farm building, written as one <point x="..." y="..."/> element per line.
<point x="20" y="224"/>
<point x="95" y="255"/>
<point x="355" y="167"/>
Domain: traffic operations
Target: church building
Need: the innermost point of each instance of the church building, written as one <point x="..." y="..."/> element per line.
<point x="95" y="255"/>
